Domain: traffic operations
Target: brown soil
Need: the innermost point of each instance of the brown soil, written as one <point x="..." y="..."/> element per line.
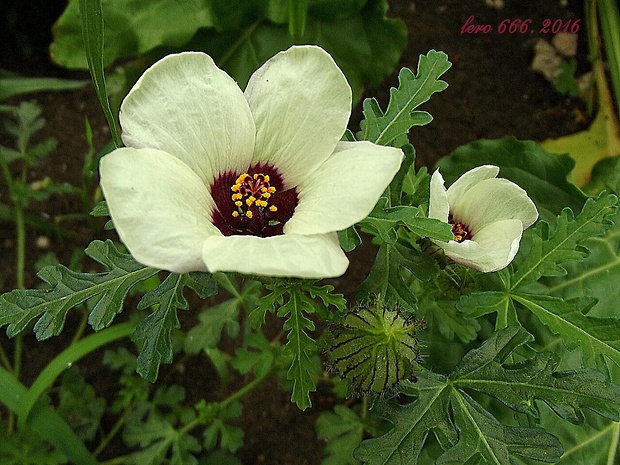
<point x="492" y="93"/>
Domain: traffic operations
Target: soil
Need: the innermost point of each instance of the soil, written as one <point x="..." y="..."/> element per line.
<point x="492" y="92"/>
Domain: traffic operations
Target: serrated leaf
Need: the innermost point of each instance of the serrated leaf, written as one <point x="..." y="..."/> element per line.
<point x="482" y="436"/>
<point x="412" y="424"/>
<point x="207" y="333"/>
<point x="230" y="437"/>
<point x="79" y="405"/>
<point x="596" y="337"/>
<point x="343" y="430"/>
<point x="470" y="434"/>
<point x="156" y="438"/>
<point x="477" y="304"/>
<point x="266" y="303"/>
<point x="155" y="332"/>
<point x="349" y="238"/>
<point x="27" y="447"/>
<point x="69" y="289"/>
<point x="548" y="252"/>
<point x="383" y="221"/>
<point x="413" y="90"/>
<point x="568" y="393"/>
<point x="261" y="359"/>
<point x="386" y="278"/>
<point x="542" y="175"/>
<point x="300" y="347"/>
<point x="451" y="324"/>
<point x="596" y="275"/>
<point x="593" y="442"/>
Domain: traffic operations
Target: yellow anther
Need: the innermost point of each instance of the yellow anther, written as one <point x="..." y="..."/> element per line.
<point x="267" y="178"/>
<point x="261" y="203"/>
<point x="255" y="176"/>
<point x="263" y="189"/>
<point x="235" y="214"/>
<point x="249" y="214"/>
<point x="273" y="208"/>
<point x="271" y="189"/>
<point x="250" y="200"/>
<point x="265" y="195"/>
<point x="238" y="203"/>
<point x="237" y="196"/>
<point x="235" y="188"/>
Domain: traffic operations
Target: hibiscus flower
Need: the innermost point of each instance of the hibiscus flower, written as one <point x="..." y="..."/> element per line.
<point x="257" y="182"/>
<point x="487" y="214"/>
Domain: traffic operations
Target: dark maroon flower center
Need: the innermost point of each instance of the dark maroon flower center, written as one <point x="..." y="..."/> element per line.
<point x="460" y="230"/>
<point x="254" y="202"/>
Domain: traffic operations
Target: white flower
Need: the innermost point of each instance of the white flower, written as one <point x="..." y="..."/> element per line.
<point x="258" y="182"/>
<point x="488" y="216"/>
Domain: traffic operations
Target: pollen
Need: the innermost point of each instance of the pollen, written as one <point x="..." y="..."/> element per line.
<point x="251" y="197"/>
<point x="460" y="232"/>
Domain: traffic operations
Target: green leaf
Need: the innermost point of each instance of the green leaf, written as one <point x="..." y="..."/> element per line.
<point x="596" y="275"/>
<point x="542" y="175"/>
<point x="27" y="447"/>
<point x="91" y="16"/>
<point x="451" y="324"/>
<point x="382" y="221"/>
<point x="69" y="289"/>
<point x="79" y="405"/>
<point x="155" y="438"/>
<point x="343" y="430"/>
<point x="593" y="442"/>
<point x="12" y="86"/>
<point x="230" y="437"/>
<point x="596" y="337"/>
<point x="549" y="252"/>
<point x="568" y="393"/>
<point x="299" y="346"/>
<point x="155" y="332"/>
<point x="392" y="127"/>
<point x="470" y="434"/>
<point x="412" y="423"/>
<point x="387" y="276"/>
<point x="131" y="28"/>
<point x="261" y="359"/>
<point x="349" y="238"/>
<point x="481" y="436"/>
<point x="208" y="332"/>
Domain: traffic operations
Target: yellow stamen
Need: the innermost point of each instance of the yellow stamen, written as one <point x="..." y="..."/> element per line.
<point x="235" y="214"/>
<point x="273" y="208"/>
<point x="249" y="214"/>
<point x="238" y="203"/>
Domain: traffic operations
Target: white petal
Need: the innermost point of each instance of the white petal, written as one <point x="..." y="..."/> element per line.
<point x="344" y="189"/>
<point x="288" y="255"/>
<point x="493" y="200"/>
<point x="301" y="104"/>
<point x="491" y="249"/>
<point x="470" y="179"/>
<point x="186" y="106"/>
<point x="438" y="206"/>
<point x="160" y="208"/>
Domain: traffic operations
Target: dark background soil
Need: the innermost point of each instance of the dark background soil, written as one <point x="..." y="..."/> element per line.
<point x="492" y="92"/>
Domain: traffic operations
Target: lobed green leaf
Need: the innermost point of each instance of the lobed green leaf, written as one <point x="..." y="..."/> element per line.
<point x="392" y="127"/>
<point x="69" y="289"/>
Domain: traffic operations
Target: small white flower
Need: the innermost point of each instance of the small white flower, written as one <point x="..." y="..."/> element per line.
<point x="487" y="214"/>
<point x="258" y="182"/>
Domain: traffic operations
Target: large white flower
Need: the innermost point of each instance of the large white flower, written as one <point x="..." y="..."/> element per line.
<point x="488" y="216"/>
<point x="258" y="182"/>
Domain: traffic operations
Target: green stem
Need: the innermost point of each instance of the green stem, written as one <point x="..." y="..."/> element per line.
<point x="65" y="359"/>
<point x="21" y="247"/>
<point x="237" y="395"/>
<point x="113" y="432"/>
<point x="80" y="331"/>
